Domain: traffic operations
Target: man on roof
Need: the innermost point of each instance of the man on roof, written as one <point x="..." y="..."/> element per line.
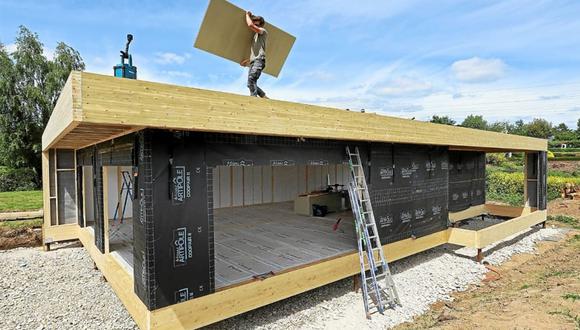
<point x="257" y="60"/>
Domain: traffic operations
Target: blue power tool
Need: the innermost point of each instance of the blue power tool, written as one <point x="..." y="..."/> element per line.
<point x="123" y="69"/>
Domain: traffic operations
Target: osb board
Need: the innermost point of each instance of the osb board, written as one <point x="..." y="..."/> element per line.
<point x="108" y="101"/>
<point x="224" y="33"/>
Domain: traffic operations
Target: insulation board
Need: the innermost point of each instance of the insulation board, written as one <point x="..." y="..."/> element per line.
<point x="224" y="33"/>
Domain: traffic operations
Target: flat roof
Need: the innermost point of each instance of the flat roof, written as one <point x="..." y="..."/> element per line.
<point x="94" y="108"/>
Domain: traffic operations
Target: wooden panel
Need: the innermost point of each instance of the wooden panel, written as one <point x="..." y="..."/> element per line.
<point x="118" y="278"/>
<point x="268" y="184"/>
<point x="466" y="214"/>
<point x="224" y="32"/>
<point x="227" y="303"/>
<point x="60" y="233"/>
<point x="502" y="230"/>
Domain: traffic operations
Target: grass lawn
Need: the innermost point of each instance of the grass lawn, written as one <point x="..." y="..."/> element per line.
<point x="17" y="224"/>
<point x="20" y="201"/>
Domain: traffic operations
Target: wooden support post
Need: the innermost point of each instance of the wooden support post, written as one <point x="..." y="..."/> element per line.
<point x="543" y="224"/>
<point x="356" y="285"/>
<point x="46" y="247"/>
<point x="479" y="256"/>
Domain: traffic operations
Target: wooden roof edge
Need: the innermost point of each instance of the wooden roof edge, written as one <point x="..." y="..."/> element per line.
<point x="64" y="116"/>
<point x="70" y="106"/>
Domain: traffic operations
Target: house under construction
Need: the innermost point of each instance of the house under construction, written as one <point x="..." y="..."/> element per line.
<point x="199" y="205"/>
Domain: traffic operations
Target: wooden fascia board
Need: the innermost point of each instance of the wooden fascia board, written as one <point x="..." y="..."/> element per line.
<point x="67" y="112"/>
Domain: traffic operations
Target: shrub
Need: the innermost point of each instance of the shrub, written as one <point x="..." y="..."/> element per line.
<point x="17" y="179"/>
<point x="508" y="186"/>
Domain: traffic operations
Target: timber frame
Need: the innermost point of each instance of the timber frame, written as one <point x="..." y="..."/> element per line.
<point x="94" y="108"/>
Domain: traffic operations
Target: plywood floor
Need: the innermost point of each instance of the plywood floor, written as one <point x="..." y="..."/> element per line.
<point x="121" y="240"/>
<point x="258" y="239"/>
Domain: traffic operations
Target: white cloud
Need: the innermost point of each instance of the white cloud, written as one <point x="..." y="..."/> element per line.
<point x="477" y="69"/>
<point x="171" y="58"/>
<point x="404" y="86"/>
<point x="178" y="74"/>
<point x="10" y="48"/>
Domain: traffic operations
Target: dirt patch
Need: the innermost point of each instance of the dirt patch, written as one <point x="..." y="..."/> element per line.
<point x="564" y="166"/>
<point x="531" y="291"/>
<point x="565" y="207"/>
<point x="19" y="237"/>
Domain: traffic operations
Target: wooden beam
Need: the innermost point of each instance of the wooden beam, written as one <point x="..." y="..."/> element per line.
<point x="59" y="233"/>
<point x="125" y="103"/>
<point x="105" y="170"/>
<point x="239" y="299"/>
<point x="508" y="211"/>
<point x="7" y="216"/>
<point x="466" y="214"/>
<point x="45" y="192"/>
<point x="502" y="230"/>
<point x="118" y="278"/>
<point x="463" y="237"/>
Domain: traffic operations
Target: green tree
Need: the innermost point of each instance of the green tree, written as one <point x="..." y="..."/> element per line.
<point x="500" y="127"/>
<point x="539" y="128"/>
<point x="578" y="129"/>
<point x="518" y="128"/>
<point x="29" y="88"/>
<point x="445" y="120"/>
<point x="563" y="133"/>
<point x="473" y="121"/>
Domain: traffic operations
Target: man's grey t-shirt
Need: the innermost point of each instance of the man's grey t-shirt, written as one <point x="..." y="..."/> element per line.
<point x="258" y="48"/>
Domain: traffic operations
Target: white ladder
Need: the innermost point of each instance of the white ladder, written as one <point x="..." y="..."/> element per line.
<point x="378" y="289"/>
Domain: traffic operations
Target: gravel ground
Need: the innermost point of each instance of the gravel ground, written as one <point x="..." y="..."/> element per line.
<point x="61" y="290"/>
<point x="56" y="290"/>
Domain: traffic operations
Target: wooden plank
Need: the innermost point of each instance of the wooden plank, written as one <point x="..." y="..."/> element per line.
<point x="508" y="211"/>
<point x="60" y="233"/>
<point x="502" y="230"/>
<point x="7" y="216"/>
<point x="463" y="237"/>
<point x="224" y="33"/>
<point x="118" y="278"/>
<point x="239" y="299"/>
<point x="105" y="170"/>
<point x="45" y="192"/>
<point x="466" y="214"/>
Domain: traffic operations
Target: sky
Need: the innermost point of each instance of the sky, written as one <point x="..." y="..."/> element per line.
<point x="505" y="60"/>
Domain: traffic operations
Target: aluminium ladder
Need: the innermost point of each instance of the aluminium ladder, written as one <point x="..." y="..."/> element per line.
<point x="127" y="188"/>
<point x="378" y="289"/>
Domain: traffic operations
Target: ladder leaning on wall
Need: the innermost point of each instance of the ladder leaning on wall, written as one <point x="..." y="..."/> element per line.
<point x="378" y="288"/>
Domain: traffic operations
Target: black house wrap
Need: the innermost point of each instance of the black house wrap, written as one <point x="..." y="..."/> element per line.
<point x="173" y="261"/>
<point x="466" y="179"/>
<point x="408" y="185"/>
<point x="412" y="189"/>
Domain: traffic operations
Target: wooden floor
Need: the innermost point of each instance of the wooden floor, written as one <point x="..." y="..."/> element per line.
<point x="121" y="241"/>
<point x="258" y="239"/>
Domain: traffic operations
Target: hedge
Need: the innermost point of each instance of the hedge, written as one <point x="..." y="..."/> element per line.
<point x="17" y="179"/>
<point x="508" y="184"/>
<point x="564" y="149"/>
<point x="564" y="158"/>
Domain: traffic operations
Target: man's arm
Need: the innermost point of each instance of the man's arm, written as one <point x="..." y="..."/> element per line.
<point x="251" y="24"/>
